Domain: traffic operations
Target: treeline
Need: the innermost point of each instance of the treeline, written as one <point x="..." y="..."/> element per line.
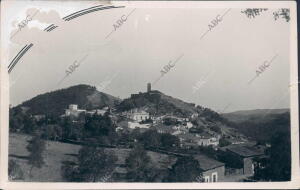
<point x="85" y="127"/>
<point x="94" y="164"/>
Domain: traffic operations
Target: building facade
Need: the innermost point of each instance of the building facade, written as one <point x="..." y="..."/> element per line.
<point x="73" y="110"/>
<point x="212" y="170"/>
<point x="244" y="156"/>
<point x="137" y="115"/>
<point x="133" y="125"/>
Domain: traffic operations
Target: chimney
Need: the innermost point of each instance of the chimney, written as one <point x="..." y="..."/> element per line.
<point x="148" y="87"/>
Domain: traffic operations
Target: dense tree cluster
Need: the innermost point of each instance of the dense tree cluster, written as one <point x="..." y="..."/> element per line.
<point x="224" y="142"/>
<point x="36" y="147"/>
<point x="277" y="165"/>
<point x="186" y="169"/>
<point x="170" y="121"/>
<point x="93" y="164"/>
<point x="139" y="166"/>
<point x="14" y="171"/>
<point x="153" y="139"/>
<point x="65" y="128"/>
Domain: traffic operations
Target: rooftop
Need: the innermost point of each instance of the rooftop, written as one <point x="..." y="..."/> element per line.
<point x="205" y="135"/>
<point x="207" y="163"/>
<point x="167" y="129"/>
<point x="244" y="150"/>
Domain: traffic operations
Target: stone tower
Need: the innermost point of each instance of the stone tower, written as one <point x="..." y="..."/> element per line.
<point x="148" y="87"/>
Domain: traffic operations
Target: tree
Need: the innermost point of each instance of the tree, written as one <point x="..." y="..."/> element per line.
<point x="216" y="129"/>
<point x="186" y="169"/>
<point x="14" y="170"/>
<point x="70" y="172"/>
<point x="98" y="125"/>
<point x="52" y="132"/>
<point x="169" y="141"/>
<point x="197" y="129"/>
<point x="36" y="147"/>
<point x="15" y="119"/>
<point x="139" y="166"/>
<point x="170" y="121"/>
<point x="135" y="134"/>
<point x="67" y="128"/>
<point x="29" y="124"/>
<point x="15" y="123"/>
<point x="150" y="138"/>
<point x="223" y="142"/>
<point x="277" y="167"/>
<point x="94" y="163"/>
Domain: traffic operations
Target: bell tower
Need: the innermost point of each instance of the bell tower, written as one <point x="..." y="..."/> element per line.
<point x="148" y="87"/>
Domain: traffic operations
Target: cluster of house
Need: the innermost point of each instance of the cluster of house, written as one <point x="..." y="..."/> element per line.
<point x="74" y="111"/>
<point x="211" y="170"/>
<point x="190" y="140"/>
<point x="246" y="157"/>
<point x="138" y="116"/>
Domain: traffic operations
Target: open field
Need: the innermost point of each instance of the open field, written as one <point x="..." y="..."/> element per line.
<point x="56" y="153"/>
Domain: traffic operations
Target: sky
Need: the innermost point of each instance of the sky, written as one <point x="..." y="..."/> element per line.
<point x="211" y="68"/>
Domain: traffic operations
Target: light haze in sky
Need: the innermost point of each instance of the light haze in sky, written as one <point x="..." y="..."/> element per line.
<point x="219" y="65"/>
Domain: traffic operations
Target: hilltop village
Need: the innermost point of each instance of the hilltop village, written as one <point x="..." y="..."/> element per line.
<point x="221" y="153"/>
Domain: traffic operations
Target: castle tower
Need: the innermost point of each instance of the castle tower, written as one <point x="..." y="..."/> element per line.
<point x="148" y="87"/>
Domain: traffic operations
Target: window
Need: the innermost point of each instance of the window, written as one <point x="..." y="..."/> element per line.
<point x="206" y="179"/>
<point x="214" y="177"/>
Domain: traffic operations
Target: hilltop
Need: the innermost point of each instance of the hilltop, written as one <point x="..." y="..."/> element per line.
<point x="154" y="102"/>
<point x="157" y="103"/>
<point x="55" y="103"/>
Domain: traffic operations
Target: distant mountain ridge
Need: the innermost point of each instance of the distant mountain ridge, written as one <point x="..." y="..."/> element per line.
<point x="262" y="124"/>
<point x="154" y="102"/>
<point x="244" y="115"/>
<point x="87" y="97"/>
<point x="55" y="103"/>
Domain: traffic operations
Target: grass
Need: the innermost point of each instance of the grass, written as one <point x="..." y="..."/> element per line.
<point x="56" y="153"/>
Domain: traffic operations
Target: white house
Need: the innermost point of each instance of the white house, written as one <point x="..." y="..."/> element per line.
<point x="133" y="125"/>
<point x="206" y="140"/>
<point x="137" y="115"/>
<point x="189" y="125"/>
<point x="181" y="127"/>
<point x="194" y="115"/>
<point x="73" y="110"/>
<point x="97" y="111"/>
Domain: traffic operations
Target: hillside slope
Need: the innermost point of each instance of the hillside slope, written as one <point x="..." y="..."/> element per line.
<point x="54" y="103"/>
<point x="157" y="103"/>
<point x="244" y="115"/>
<point x="260" y="125"/>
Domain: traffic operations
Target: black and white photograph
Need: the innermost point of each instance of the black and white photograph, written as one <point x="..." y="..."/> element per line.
<point x="150" y="92"/>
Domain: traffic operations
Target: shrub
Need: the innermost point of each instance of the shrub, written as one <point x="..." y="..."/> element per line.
<point x="14" y="171"/>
